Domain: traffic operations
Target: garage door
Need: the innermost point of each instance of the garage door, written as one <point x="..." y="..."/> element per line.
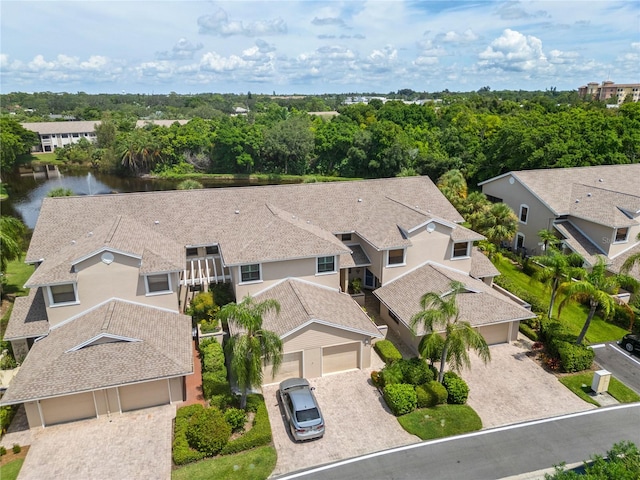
<point x="494" y="334"/>
<point x="340" y="358"/>
<point x="291" y="367"/>
<point x="144" y="395"/>
<point x="68" y="408"/>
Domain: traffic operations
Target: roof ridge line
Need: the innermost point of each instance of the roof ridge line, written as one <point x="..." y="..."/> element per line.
<point x="301" y="298"/>
<point x="108" y="316"/>
<point x="113" y="229"/>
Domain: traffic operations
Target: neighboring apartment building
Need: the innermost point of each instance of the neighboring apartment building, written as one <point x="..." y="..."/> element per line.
<point x="594" y="210"/>
<point x="54" y="135"/>
<point x="102" y="330"/>
<point x="609" y="89"/>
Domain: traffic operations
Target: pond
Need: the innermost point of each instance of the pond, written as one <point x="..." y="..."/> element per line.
<point x="26" y="192"/>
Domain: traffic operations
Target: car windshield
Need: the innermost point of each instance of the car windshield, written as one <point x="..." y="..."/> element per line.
<point x="307" y="415"/>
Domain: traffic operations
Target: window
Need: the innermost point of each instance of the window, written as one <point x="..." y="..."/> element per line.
<point x="158" y="283"/>
<point x="192" y="251"/>
<point x="460" y="250"/>
<point x="326" y="264"/>
<point x="250" y="273"/>
<point x="76" y="135"/>
<point x="519" y="242"/>
<point x="212" y="250"/>
<point x="493" y="199"/>
<point x="396" y="257"/>
<point x="524" y="213"/>
<point x="621" y="235"/>
<point x="45" y="137"/>
<point x="346" y="237"/>
<point x="65" y="135"/>
<point x="61" y="294"/>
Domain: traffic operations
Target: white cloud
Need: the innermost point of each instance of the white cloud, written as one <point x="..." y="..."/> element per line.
<point x="513" y="51"/>
<point x="218" y="23"/>
<point x="454" y="37"/>
<point x="182" y="50"/>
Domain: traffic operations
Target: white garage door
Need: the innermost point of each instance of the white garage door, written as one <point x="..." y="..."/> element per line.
<point x="495" y="334"/>
<point x="340" y="358"/>
<point x="144" y="395"/>
<point x="68" y="408"/>
<point x="291" y="367"/>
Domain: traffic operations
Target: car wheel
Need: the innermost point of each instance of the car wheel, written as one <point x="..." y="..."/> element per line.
<point x="628" y="347"/>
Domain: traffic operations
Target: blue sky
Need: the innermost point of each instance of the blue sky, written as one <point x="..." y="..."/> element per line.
<point x="311" y="47"/>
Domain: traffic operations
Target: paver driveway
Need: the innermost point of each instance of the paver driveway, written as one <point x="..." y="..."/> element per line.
<point x="135" y="445"/>
<point x="513" y="388"/>
<point x="356" y="418"/>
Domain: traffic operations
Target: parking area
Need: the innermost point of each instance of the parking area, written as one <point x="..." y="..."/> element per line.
<point x="357" y="422"/>
<point x="132" y="445"/>
<point x="513" y="388"/>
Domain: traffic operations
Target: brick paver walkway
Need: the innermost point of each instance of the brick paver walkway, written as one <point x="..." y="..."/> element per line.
<point x="194" y="382"/>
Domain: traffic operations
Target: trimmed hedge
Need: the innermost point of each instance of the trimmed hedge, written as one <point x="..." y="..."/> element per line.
<point x="415" y="371"/>
<point x="431" y="394"/>
<point x="387" y="351"/>
<point x="182" y="452"/>
<point x="575" y="358"/>
<point x="528" y="331"/>
<point x="260" y="433"/>
<point x="208" y="432"/>
<point x="6" y="415"/>
<point x="457" y="389"/>
<point x="212" y="356"/>
<point x="401" y="398"/>
<point x="236" y="417"/>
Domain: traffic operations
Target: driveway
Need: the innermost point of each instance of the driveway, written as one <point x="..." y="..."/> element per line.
<point x="357" y="422"/>
<point x="512" y="388"/>
<point x="132" y="445"/>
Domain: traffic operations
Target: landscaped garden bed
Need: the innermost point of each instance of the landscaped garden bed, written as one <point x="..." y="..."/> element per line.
<point x="580" y="384"/>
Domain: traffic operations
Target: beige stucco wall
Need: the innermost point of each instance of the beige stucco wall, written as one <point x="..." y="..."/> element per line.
<point x="273" y="272"/>
<point x="33" y="414"/>
<point x="617" y="248"/>
<point x="598" y="234"/>
<point x="400" y="329"/>
<point x="540" y="216"/>
<point x="177" y="389"/>
<point x="98" y="282"/>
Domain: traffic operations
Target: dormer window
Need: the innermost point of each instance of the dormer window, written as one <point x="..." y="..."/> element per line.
<point x="192" y="251"/>
<point x="64" y="294"/>
<point x="326" y="264"/>
<point x="212" y="250"/>
<point x="158" y="284"/>
<point x="622" y="234"/>
<point x="524" y="213"/>
<point x="346" y="237"/>
<point x="395" y="257"/>
<point x="460" y="250"/>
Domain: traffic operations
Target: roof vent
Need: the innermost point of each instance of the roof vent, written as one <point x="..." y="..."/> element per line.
<point x="577" y="200"/>
<point x="600" y="180"/>
<point x="90" y="234"/>
<point x="589" y="194"/>
<point x="73" y="242"/>
<point x="157" y="222"/>
<point x="237" y="212"/>
<point x="359" y="200"/>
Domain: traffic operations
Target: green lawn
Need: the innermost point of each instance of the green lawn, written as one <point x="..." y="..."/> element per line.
<point x="17" y="275"/>
<point x="573" y="315"/>
<point x="48" y="157"/>
<point x="11" y="470"/>
<point x="617" y="389"/>
<point x="256" y="464"/>
<point x="441" y="421"/>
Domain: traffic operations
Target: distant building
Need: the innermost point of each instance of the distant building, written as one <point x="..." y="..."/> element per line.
<point x="608" y="89"/>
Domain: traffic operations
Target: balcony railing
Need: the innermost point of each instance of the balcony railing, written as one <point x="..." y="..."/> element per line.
<point x="204" y="270"/>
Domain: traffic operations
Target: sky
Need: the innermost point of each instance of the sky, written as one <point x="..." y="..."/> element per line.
<point x="315" y="47"/>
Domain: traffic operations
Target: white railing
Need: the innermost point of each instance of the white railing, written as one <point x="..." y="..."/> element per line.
<point x="204" y="270"/>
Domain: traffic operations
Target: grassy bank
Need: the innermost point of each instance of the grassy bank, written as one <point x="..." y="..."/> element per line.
<point x="580" y="384"/>
<point x="256" y="464"/>
<point x="441" y="421"/>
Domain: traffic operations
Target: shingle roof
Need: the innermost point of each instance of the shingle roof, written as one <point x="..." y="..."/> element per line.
<point x="116" y="233"/>
<point x="552" y="185"/>
<point x="28" y="317"/>
<point x="579" y="243"/>
<point x="53" y="369"/>
<point x="603" y="206"/>
<point x="481" y="266"/>
<point x="303" y="302"/>
<point x="242" y="220"/>
<point x="48" y="128"/>
<point x="481" y="305"/>
<point x="616" y="263"/>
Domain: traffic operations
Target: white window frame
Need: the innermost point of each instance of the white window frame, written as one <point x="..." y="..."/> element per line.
<point x="515" y="243"/>
<point x="62" y="304"/>
<point x="461" y="257"/>
<point x="615" y="234"/>
<point x="328" y="272"/>
<point x="161" y="292"/>
<point x="404" y="258"/>
<point x="259" y="280"/>
<point x="526" y="219"/>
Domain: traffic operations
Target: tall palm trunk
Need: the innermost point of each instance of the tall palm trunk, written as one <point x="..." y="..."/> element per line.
<point x="592" y="312"/>
<point x="554" y="291"/>
<point x="443" y="361"/>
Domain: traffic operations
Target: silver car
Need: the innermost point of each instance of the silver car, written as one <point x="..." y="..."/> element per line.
<point x="301" y="408"/>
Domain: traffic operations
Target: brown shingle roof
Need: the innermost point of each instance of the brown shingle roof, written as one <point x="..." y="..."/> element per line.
<point x="603" y="206"/>
<point x="242" y="220"/>
<point x="28" y="317"/>
<point x="577" y="242"/>
<point x="481" y="266"/>
<point x="53" y="368"/>
<point x="481" y="305"/>
<point x="616" y="263"/>
<point x="303" y="302"/>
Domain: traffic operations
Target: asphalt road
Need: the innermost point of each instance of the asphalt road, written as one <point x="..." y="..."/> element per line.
<point x="496" y="453"/>
<point x="624" y="366"/>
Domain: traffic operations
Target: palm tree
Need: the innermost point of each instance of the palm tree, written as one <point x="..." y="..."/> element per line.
<point x="557" y="268"/>
<point x="549" y="239"/>
<point x="12" y="232"/>
<point x="251" y="344"/>
<point x="596" y="287"/>
<point x="453" y="185"/>
<point x="440" y="311"/>
<point x="498" y="223"/>
<point x="630" y="262"/>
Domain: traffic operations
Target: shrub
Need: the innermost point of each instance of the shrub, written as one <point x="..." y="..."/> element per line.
<point x="415" y="371"/>
<point x="528" y="331"/>
<point x="401" y="398"/>
<point x="387" y="351"/>
<point x="203" y="307"/>
<point x="3" y="451"/>
<point x="376" y="379"/>
<point x="260" y="433"/>
<point x="16" y="448"/>
<point x="431" y="394"/>
<point x="622" y="316"/>
<point x="575" y="358"/>
<point x="6" y="415"/>
<point x="212" y="355"/>
<point x="208" y="432"/>
<point x="182" y="453"/>
<point x="457" y="389"/>
<point x="236" y="418"/>
<point x="7" y="362"/>
<point x="392" y="374"/>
